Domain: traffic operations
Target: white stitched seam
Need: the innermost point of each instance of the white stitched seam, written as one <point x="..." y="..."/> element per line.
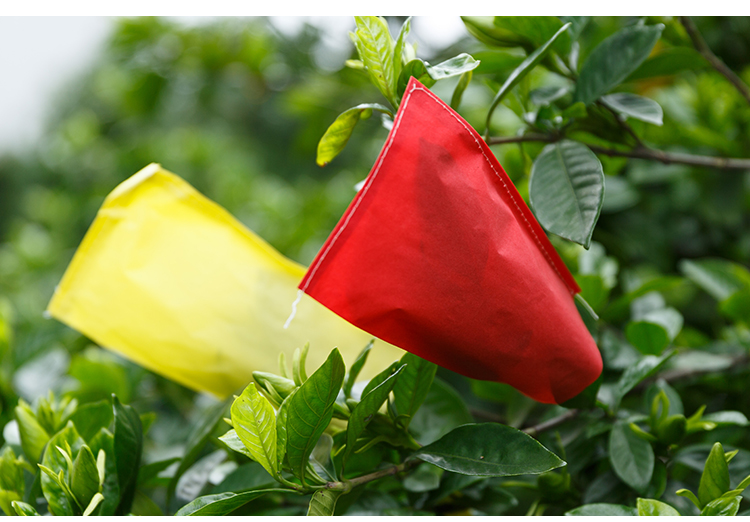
<point x="377" y="170"/>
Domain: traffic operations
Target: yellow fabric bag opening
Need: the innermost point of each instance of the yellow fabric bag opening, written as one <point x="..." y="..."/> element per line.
<point x="172" y="281"/>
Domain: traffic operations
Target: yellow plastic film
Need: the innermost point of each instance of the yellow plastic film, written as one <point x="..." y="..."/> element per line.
<point x="172" y="281"/>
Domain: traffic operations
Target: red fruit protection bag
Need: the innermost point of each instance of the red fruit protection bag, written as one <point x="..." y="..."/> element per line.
<point x="439" y="255"/>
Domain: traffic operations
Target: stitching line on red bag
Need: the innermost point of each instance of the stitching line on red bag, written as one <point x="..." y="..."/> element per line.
<point x="377" y="170"/>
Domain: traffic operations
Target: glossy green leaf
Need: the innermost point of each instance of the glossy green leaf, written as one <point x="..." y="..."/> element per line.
<point x="310" y="411"/>
<point x="566" y="190"/>
<point x="521" y="71"/>
<point x="128" y="446"/>
<point x="461" y="86"/>
<point x="150" y="471"/>
<point x="718" y="277"/>
<point x="356" y="367"/>
<point x="442" y="410"/>
<point x="254" y="421"/>
<point x="95" y="501"/>
<point x="233" y="442"/>
<point x="689" y="495"/>
<point x="375" y="46"/>
<point x="634" y="106"/>
<point x="722" y="507"/>
<point x="105" y="441"/>
<point x="398" y="48"/>
<point x="715" y="478"/>
<point x="90" y="418"/>
<point x="535" y="30"/>
<point x="637" y="372"/>
<point x="412" y="387"/>
<point x="649" y="338"/>
<point x="23" y="509"/>
<point x="602" y="510"/>
<point x="223" y="503"/>
<point x="544" y="96"/>
<point x="323" y="503"/>
<point x="455" y="66"/>
<point x="367" y="408"/>
<point x="337" y="135"/>
<point x="577" y="25"/>
<point x="281" y="431"/>
<point x="425" y="477"/>
<point x="483" y="28"/>
<point x="416" y="68"/>
<point x="727" y="418"/>
<point x="653" y="508"/>
<point x="59" y="502"/>
<point x="670" y="61"/>
<point x="299" y="372"/>
<point x="381" y="377"/>
<point x="614" y="59"/>
<point x="489" y="450"/>
<point x="33" y="435"/>
<point x="632" y="457"/>
<point x="84" y="482"/>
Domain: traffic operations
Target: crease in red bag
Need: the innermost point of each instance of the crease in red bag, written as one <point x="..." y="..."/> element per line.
<point x="438" y="254"/>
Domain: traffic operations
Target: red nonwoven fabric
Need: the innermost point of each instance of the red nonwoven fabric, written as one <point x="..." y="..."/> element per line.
<point x="439" y="255"/>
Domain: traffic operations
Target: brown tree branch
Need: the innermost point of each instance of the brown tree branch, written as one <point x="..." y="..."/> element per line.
<point x="702" y="47"/>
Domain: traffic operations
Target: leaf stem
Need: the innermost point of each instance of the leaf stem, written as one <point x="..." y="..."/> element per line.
<point x="702" y="47"/>
<point x="552" y="423"/>
<point x="347" y="485"/>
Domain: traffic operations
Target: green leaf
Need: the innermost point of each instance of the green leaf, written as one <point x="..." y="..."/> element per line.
<point x="577" y="25"/>
<point x="337" y="135"/>
<point x="566" y="190"/>
<point x="722" y="507"/>
<point x="521" y="71"/>
<point x="456" y="66"/>
<point x="718" y="277"/>
<point x="649" y="338"/>
<point x="281" y="431"/>
<point x="689" y="495"/>
<point x="715" y="478"/>
<point x="483" y="28"/>
<point x="727" y="418"/>
<point x="299" y="373"/>
<point x="634" y="106"/>
<point x="637" y="372"/>
<point x="23" y="509"/>
<point x="58" y="499"/>
<point x="398" y="49"/>
<point x="95" y="501"/>
<point x="233" y="442"/>
<point x="375" y="46"/>
<point x="128" y="446"/>
<point x="310" y="411"/>
<point x="367" y="408"/>
<point x="632" y="457"/>
<point x="425" y="477"/>
<point x="653" y="508"/>
<point x="737" y="306"/>
<point x="351" y="376"/>
<point x="442" y="410"/>
<point x="535" y="30"/>
<point x="84" y="482"/>
<point x="670" y="61"/>
<point x="458" y="92"/>
<point x="33" y="435"/>
<point x="489" y="450"/>
<point x="150" y="471"/>
<point x="254" y="420"/>
<point x="413" y="385"/>
<point x="90" y="418"/>
<point x="105" y="441"/>
<point x="323" y="503"/>
<point x="223" y="503"/>
<point x="603" y="510"/>
<point x="614" y="59"/>
<point x="381" y="377"/>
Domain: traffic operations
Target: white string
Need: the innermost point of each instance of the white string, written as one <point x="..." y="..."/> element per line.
<point x="294" y="309"/>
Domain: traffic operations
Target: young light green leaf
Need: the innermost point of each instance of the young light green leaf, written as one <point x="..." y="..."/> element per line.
<point x="104" y="441"/>
<point x="634" y="106"/>
<point x="254" y="420"/>
<point x="310" y="411"/>
<point x="461" y="86"/>
<point x="223" y="503"/>
<point x="690" y="496"/>
<point x="351" y="376"/>
<point x="718" y="277"/>
<point x="128" y="446"/>
<point x="366" y="409"/>
<point x="233" y="442"/>
<point x="566" y="190"/>
<point x="23" y="509"/>
<point x="653" y="508"/>
<point x="722" y="507"/>
<point x="455" y="66"/>
<point x="632" y="457"/>
<point x="602" y="510"/>
<point x="398" y="50"/>
<point x="299" y="372"/>
<point x="323" y="503"/>
<point x="614" y="59"/>
<point x="375" y="46"/>
<point x="59" y="499"/>
<point x="412" y="387"/>
<point x="281" y="431"/>
<point x="727" y="418"/>
<point x="520" y="72"/>
<point x="33" y="435"/>
<point x="93" y="504"/>
<point x="715" y="478"/>
<point x="489" y="450"/>
<point x="337" y="135"/>
<point x="84" y="482"/>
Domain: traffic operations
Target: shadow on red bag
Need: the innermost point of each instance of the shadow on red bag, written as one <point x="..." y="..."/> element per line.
<point x="439" y="255"/>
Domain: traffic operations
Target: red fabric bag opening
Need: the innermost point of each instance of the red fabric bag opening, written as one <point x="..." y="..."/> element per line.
<point x="438" y="254"/>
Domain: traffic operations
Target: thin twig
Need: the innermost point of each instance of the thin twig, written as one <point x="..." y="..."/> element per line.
<point x="347" y="485"/>
<point x="623" y="124"/>
<point x="552" y="423"/>
<point x="641" y="153"/>
<point x="702" y="47"/>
